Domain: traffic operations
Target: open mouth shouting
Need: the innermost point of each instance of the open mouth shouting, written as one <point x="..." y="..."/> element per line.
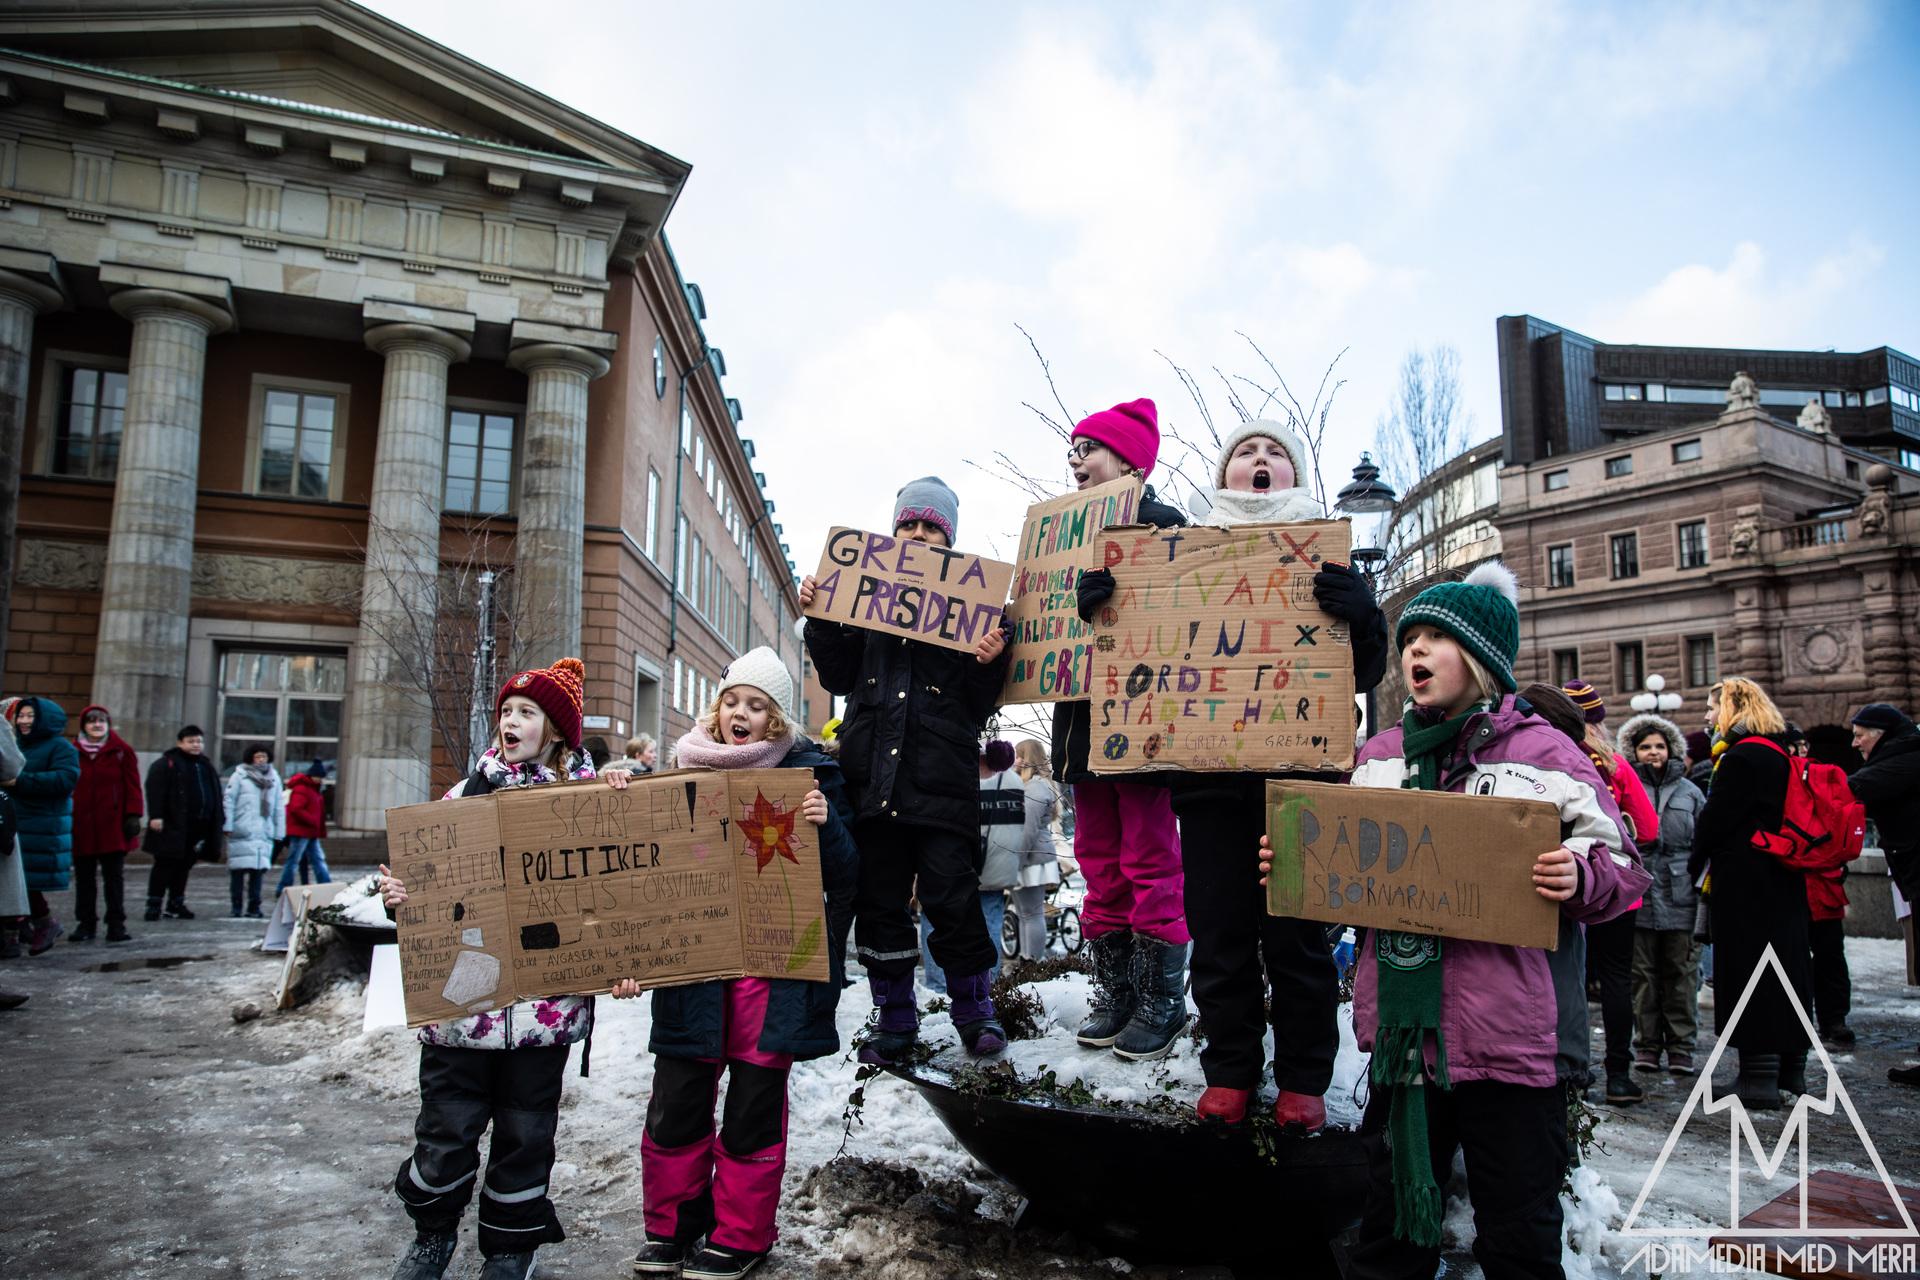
<point x="738" y="732"/>
<point x="1262" y="479"/>
<point x="1080" y="478"/>
<point x="509" y="738"/>
<point x="1422" y="677"/>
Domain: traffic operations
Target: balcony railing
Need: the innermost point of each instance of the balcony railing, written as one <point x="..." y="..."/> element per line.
<point x="1830" y="531"/>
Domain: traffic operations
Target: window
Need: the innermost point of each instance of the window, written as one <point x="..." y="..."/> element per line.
<point x="1629" y="661"/>
<point x="1693" y="544"/>
<point x="699" y="452"/>
<point x="1853" y="399"/>
<point x="686" y="429"/>
<point x="1686" y="451"/>
<point x="93" y="410"/>
<point x="680" y="556"/>
<point x="1614" y="391"/>
<point x="1876" y="395"/>
<point x="1625" y="552"/>
<point x="1830" y="398"/>
<point x="1560" y="565"/>
<point x="1555" y="480"/>
<point x="679" y="681"/>
<point x="1620" y="466"/>
<point x="697" y="558"/>
<point x="296" y="443"/>
<point x="480" y="462"/>
<point x="1853" y="470"/>
<point x="1657" y="391"/>
<point x="1909" y="458"/>
<point x="651" y="536"/>
<point x="1566" y="666"/>
<point x="1702" y="668"/>
<point x="289" y="702"/>
<point x="659" y="368"/>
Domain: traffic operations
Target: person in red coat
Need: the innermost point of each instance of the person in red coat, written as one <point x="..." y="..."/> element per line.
<point x="306" y="827"/>
<point x="107" y="809"/>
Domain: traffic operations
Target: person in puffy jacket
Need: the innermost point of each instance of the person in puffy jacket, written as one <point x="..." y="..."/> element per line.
<point x="107" y="808"/>
<point x="1666" y="959"/>
<point x="43" y="801"/>
<point x="14" y="909"/>
<point x="909" y="747"/>
<point x="306" y="828"/>
<point x="256" y="805"/>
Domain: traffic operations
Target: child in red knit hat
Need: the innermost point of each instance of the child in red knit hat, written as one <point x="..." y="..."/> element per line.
<point x="503" y="1066"/>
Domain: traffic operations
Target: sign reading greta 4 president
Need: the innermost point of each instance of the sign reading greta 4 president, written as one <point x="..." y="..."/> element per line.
<point x="907" y="588"/>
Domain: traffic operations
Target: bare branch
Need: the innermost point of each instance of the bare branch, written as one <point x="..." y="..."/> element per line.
<point x="1046" y="370"/>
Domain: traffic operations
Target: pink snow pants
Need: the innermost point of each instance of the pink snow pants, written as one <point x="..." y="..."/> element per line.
<point x="689" y="1181"/>
<point x="1129" y="850"/>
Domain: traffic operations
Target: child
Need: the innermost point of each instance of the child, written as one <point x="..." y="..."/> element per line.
<point x="106" y="823"/>
<point x="1258" y="476"/>
<point x="501" y="1067"/>
<point x="916" y="796"/>
<point x="1124" y="836"/>
<point x="256" y="821"/>
<point x="306" y="828"/>
<point x="1474" y="1043"/>
<point x="753" y="1029"/>
<point x="1666" y="959"/>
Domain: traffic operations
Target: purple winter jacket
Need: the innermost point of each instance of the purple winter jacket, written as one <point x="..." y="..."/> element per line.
<point x="1516" y="1015"/>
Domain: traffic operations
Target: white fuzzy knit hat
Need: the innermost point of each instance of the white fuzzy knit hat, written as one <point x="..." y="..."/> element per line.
<point x="1278" y="431"/>
<point x="762" y="669"/>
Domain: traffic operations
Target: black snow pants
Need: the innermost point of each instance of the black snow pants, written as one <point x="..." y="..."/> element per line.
<point x="893" y="857"/>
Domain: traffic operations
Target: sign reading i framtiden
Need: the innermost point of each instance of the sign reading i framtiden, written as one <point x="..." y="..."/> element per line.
<point x="1214" y="656"/>
<point x="1053" y="656"/>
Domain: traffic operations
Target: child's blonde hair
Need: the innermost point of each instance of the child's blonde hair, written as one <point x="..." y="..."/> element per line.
<point x="777" y="725"/>
<point x="1032" y="757"/>
<point x="1744" y="705"/>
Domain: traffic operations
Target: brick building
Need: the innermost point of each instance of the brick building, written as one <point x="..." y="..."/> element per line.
<point x="305" y="322"/>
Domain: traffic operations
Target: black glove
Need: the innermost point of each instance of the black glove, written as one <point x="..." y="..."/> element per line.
<point x="1344" y="594"/>
<point x="1095" y="589"/>
<point x="130" y="827"/>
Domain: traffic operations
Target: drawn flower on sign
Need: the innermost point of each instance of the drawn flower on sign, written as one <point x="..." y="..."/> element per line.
<point x="768" y="828"/>
<point x="1239" y="726"/>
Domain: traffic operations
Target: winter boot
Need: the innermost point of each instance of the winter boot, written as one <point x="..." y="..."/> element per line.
<point x="661" y="1258"/>
<point x="1300" y="1110"/>
<point x="1839" y="1034"/>
<point x="716" y="1262"/>
<point x="1227" y="1105"/>
<point x="979" y="1030"/>
<point x="1759" y="1081"/>
<point x="12" y="999"/>
<point x="45" y="932"/>
<point x="891" y="1039"/>
<point x="84" y="933"/>
<point x="1622" y="1091"/>
<point x="1904" y="1075"/>
<point x="1160" y="1008"/>
<point x="1793" y="1072"/>
<point x="1113" y="995"/>
<point x="118" y="933"/>
<point x="178" y="911"/>
<point x="428" y="1259"/>
<point x="153" y="910"/>
<point x="508" y="1266"/>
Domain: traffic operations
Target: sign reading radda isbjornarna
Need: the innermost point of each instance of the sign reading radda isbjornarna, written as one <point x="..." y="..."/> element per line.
<point x="896" y="585"/>
<point x="1214" y="656"/>
<point x="1053" y="652"/>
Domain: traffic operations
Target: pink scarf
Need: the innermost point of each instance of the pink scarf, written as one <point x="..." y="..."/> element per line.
<point x="698" y="750"/>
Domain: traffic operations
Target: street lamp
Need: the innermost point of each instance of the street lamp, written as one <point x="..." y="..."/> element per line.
<point x="1655" y="698"/>
<point x="1367" y="495"/>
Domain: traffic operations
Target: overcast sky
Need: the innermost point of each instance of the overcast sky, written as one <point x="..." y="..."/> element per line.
<point x="881" y="193"/>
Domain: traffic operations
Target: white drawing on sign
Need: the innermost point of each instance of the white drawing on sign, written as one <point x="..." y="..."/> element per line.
<point x="1793" y="1137"/>
<point x="471" y="938"/>
<point x="475" y="976"/>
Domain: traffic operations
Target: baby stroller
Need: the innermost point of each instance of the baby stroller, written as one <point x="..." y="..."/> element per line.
<point x="1063" y="915"/>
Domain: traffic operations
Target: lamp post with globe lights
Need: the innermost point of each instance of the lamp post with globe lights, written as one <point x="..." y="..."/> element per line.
<point x="1368" y="494"/>
<point x="1655" y="697"/>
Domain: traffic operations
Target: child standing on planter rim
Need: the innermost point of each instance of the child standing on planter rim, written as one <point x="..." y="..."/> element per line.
<point x="909" y="747"/>
<point x="503" y="1067"/>
<point x="1470" y="1046"/>
<point x="753" y="1029"/>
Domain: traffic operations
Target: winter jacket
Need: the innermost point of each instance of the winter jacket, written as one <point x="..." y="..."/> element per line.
<point x="183" y="792"/>
<point x="1039" y="858"/>
<point x="108" y="795"/>
<point x="1630" y="797"/>
<point x="43" y="798"/>
<point x="1889" y="785"/>
<point x="1672" y="902"/>
<point x="1754" y="898"/>
<point x="1073" y="721"/>
<point x="306" y="808"/>
<point x="251" y="834"/>
<point x="1003" y="796"/>
<point x="13" y="880"/>
<point x="927" y="777"/>
<point x="1517" y="1015"/>
<point x="689" y="1021"/>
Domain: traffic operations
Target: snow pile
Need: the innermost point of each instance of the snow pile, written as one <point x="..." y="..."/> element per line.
<point x="359" y="903"/>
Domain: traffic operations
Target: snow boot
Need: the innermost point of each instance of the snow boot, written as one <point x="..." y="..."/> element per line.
<point x="178" y="911"/>
<point x="661" y="1258"/>
<point x="979" y="1030"/>
<point x="45" y="932"/>
<point x="85" y="933"/>
<point x="1622" y="1091"/>
<point x="153" y="910"/>
<point x="1839" y="1035"/>
<point x="428" y="1259"/>
<point x="1793" y="1072"/>
<point x="1759" y="1082"/>
<point x="1300" y="1111"/>
<point x="1679" y="1062"/>
<point x="891" y="1039"/>
<point x="1904" y="1075"/>
<point x="118" y="933"/>
<point x="1227" y="1105"/>
<point x="716" y="1262"/>
<point x="1113" y="997"/>
<point x="508" y="1266"/>
<point x="1160" y="1009"/>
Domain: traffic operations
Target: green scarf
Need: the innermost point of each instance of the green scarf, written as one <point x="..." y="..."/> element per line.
<point x="1409" y="1007"/>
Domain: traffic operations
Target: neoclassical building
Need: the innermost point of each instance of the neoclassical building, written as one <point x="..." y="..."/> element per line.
<point x="328" y="359"/>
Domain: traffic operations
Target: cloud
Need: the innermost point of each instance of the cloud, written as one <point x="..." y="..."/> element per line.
<point x="1746" y="302"/>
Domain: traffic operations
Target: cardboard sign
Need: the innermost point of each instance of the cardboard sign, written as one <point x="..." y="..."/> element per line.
<point x="566" y="890"/>
<point x="1213" y="655"/>
<point x="1419" y="861"/>
<point x="1052" y="648"/>
<point x="906" y="588"/>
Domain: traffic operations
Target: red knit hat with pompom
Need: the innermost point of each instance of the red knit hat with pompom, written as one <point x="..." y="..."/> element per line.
<point x="558" y="690"/>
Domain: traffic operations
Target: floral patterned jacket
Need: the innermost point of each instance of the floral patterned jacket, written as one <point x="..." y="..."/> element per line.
<point x="525" y="1024"/>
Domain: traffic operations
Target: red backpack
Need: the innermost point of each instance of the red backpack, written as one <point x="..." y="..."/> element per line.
<point x="1822" y="825"/>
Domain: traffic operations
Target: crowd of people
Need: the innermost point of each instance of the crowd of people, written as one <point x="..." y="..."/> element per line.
<point x="1671" y="844"/>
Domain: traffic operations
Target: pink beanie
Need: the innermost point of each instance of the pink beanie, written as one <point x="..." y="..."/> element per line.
<point x="1131" y="430"/>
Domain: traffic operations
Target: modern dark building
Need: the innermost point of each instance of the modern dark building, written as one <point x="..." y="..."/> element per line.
<point x="1562" y="392"/>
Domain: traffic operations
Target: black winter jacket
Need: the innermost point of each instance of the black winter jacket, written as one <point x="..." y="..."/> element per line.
<point x="1889" y="785"/>
<point x="1073" y="721"/>
<point x="690" y="1021"/>
<point x="931" y="775"/>
<point x="184" y="792"/>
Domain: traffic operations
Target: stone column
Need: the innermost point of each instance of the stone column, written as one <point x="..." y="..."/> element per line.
<point x="549" y="542"/>
<point x="140" y="666"/>
<point x="21" y="299"/>
<point x="391" y="749"/>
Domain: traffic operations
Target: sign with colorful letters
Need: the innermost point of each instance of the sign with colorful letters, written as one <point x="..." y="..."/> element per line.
<point x="950" y="598"/>
<point x="1052" y="648"/>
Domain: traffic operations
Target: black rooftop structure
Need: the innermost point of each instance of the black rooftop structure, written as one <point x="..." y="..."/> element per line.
<point x="1563" y="392"/>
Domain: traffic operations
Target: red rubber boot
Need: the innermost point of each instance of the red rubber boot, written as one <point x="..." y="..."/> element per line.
<point x="1223" y="1104"/>
<point x="1300" y="1109"/>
